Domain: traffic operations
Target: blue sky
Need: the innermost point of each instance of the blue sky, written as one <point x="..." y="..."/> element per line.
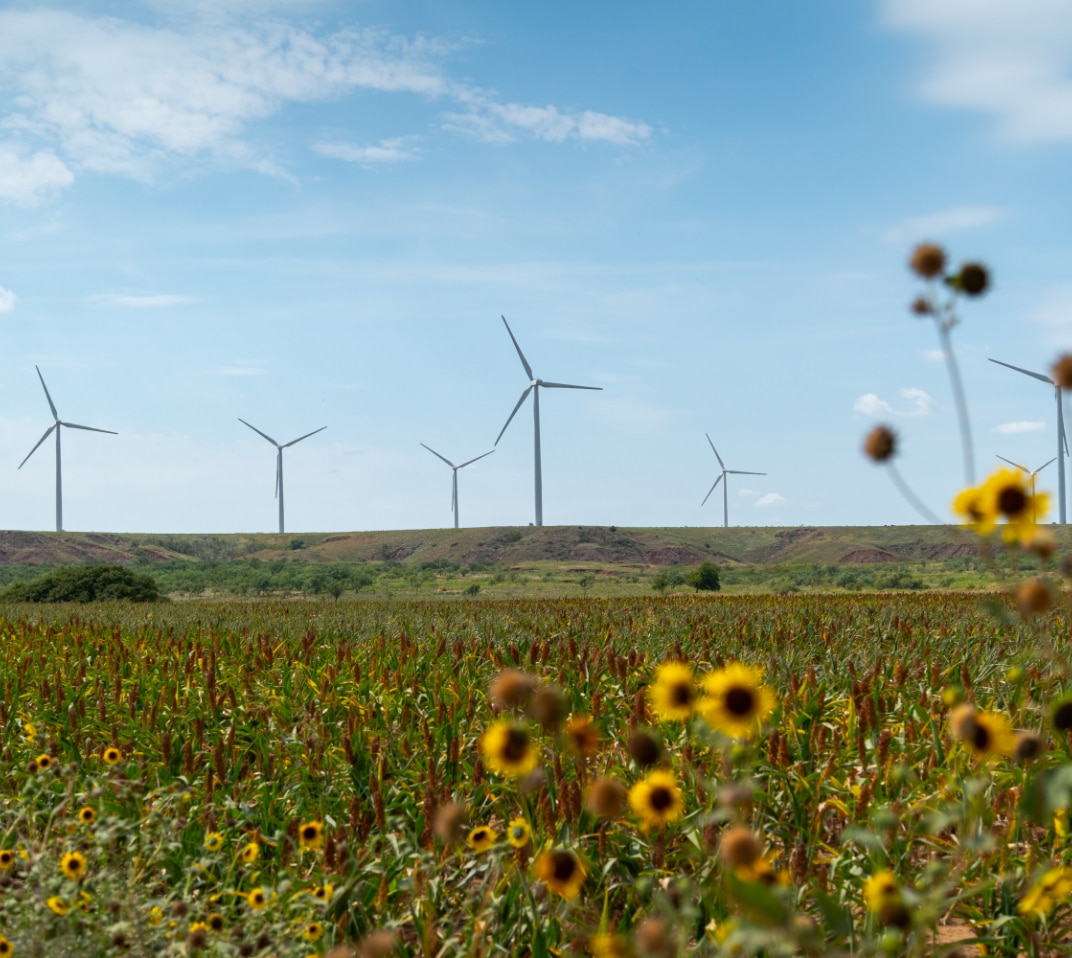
<point x="311" y="213"/>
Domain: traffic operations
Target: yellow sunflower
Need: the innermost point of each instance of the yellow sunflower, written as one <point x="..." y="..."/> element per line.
<point x="508" y="749"/>
<point x="250" y="853"/>
<point x="311" y="836"/>
<point x="87" y="816"/>
<point x="882" y="897"/>
<point x="6" y="948"/>
<point x="518" y="833"/>
<point x="7" y="859"/>
<point x="656" y="799"/>
<point x="111" y="755"/>
<point x="1048" y="891"/>
<point x="73" y="865"/>
<point x="213" y="842"/>
<point x="673" y="693"/>
<point x="562" y="870"/>
<point x="215" y="921"/>
<point x="58" y="906"/>
<point x="607" y="944"/>
<point x="582" y="737"/>
<point x="312" y="931"/>
<point x="735" y="701"/>
<point x="43" y="761"/>
<point x="988" y="735"/>
<point x="482" y="838"/>
<point x="1004" y="495"/>
<point x="257" y="899"/>
<point x="323" y="893"/>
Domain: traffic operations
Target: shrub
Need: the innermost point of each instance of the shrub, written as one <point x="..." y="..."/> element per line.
<point x="85" y="584"/>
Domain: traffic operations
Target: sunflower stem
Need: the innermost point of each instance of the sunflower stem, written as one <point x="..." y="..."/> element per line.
<point x="958" y="398"/>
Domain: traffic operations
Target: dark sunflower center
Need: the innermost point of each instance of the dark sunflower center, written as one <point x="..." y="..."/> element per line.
<point x="480" y="835"/>
<point x="1012" y="500"/>
<point x="681" y="694"/>
<point x="740" y="701"/>
<point x="661" y="798"/>
<point x="516" y="745"/>
<point x="981" y="737"/>
<point x="563" y="866"/>
<point x="309" y="833"/>
<point x="1062" y="717"/>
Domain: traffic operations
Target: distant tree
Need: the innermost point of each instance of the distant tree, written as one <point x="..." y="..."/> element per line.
<point x="586" y="582"/>
<point x="705" y="578"/>
<point x="86" y="584"/>
<point x="661" y="583"/>
<point x="472" y="589"/>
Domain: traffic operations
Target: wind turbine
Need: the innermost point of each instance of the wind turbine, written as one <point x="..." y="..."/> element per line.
<point x="1062" y="440"/>
<point x="534" y="388"/>
<point x="1029" y="472"/>
<point x="454" y="494"/>
<point x="279" y="461"/>
<point x="725" y="485"/>
<point x="56" y="425"/>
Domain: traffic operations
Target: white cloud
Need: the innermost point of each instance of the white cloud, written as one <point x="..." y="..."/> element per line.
<point x="770" y="499"/>
<point x="748" y="492"/>
<point x="27" y="179"/>
<point x="7" y="300"/>
<point x="147" y="301"/>
<point x="936" y="226"/>
<point x="386" y="151"/>
<point x="1024" y="426"/>
<point x="870" y="404"/>
<point x="934" y="355"/>
<point x="1009" y="60"/>
<point x="504" y="122"/>
<point x="114" y="96"/>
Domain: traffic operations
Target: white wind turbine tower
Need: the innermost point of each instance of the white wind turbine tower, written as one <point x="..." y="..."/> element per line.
<point x="56" y="425"/>
<point x="279" y="460"/>
<point x="534" y="388"/>
<point x="454" y="493"/>
<point x="1062" y="440"/>
<point x="1028" y="471"/>
<point x="725" y="484"/>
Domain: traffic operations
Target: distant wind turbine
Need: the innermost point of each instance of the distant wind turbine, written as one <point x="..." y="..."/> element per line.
<point x="1029" y="472"/>
<point x="1062" y="439"/>
<point x="279" y="460"/>
<point x="56" y="425"/>
<point x="454" y="493"/>
<point x="725" y="484"/>
<point x="534" y="388"/>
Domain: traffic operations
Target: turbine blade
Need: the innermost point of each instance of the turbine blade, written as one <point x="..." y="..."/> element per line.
<point x="300" y="438"/>
<point x="715" y="451"/>
<point x="524" y="396"/>
<point x="51" y="404"/>
<point x="444" y="458"/>
<point x="712" y="489"/>
<point x="1043" y="466"/>
<point x="74" y="425"/>
<point x="48" y="432"/>
<point x="258" y="432"/>
<point x="744" y="472"/>
<point x="1018" y="466"/>
<point x="464" y="464"/>
<point x="1026" y="372"/>
<point x="524" y="361"/>
<point x="569" y="386"/>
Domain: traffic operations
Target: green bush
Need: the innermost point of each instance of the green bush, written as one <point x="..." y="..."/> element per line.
<point x="93" y="583"/>
<point x="705" y="578"/>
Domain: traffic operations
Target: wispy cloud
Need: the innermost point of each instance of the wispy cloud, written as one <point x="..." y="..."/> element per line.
<point x="143" y="301"/>
<point x="386" y="151"/>
<point x="240" y="367"/>
<point x="920" y="404"/>
<point x="7" y="300"/>
<point x="1010" y="61"/>
<point x="119" y="97"/>
<point x="1008" y="428"/>
<point x="770" y="499"/>
<point x="28" y="178"/>
<point x="932" y="226"/>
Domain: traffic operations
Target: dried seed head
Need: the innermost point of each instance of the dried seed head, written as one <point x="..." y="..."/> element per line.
<point x="645" y="747"/>
<point x="451" y="823"/>
<point x="928" y="260"/>
<point x="548" y="706"/>
<point x="1028" y="746"/>
<point x="1061" y="714"/>
<point x="379" y="944"/>
<point x="1034" y="597"/>
<point x="962" y="722"/>
<point x="739" y="847"/>
<point x="974" y="279"/>
<point x="735" y="795"/>
<point x="1043" y="545"/>
<point x="922" y="306"/>
<point x="512" y="689"/>
<point x="1062" y="371"/>
<point x="880" y="444"/>
<point x="653" y="939"/>
<point x="607" y="798"/>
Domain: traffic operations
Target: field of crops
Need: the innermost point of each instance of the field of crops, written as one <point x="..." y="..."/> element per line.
<point x="533" y="778"/>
